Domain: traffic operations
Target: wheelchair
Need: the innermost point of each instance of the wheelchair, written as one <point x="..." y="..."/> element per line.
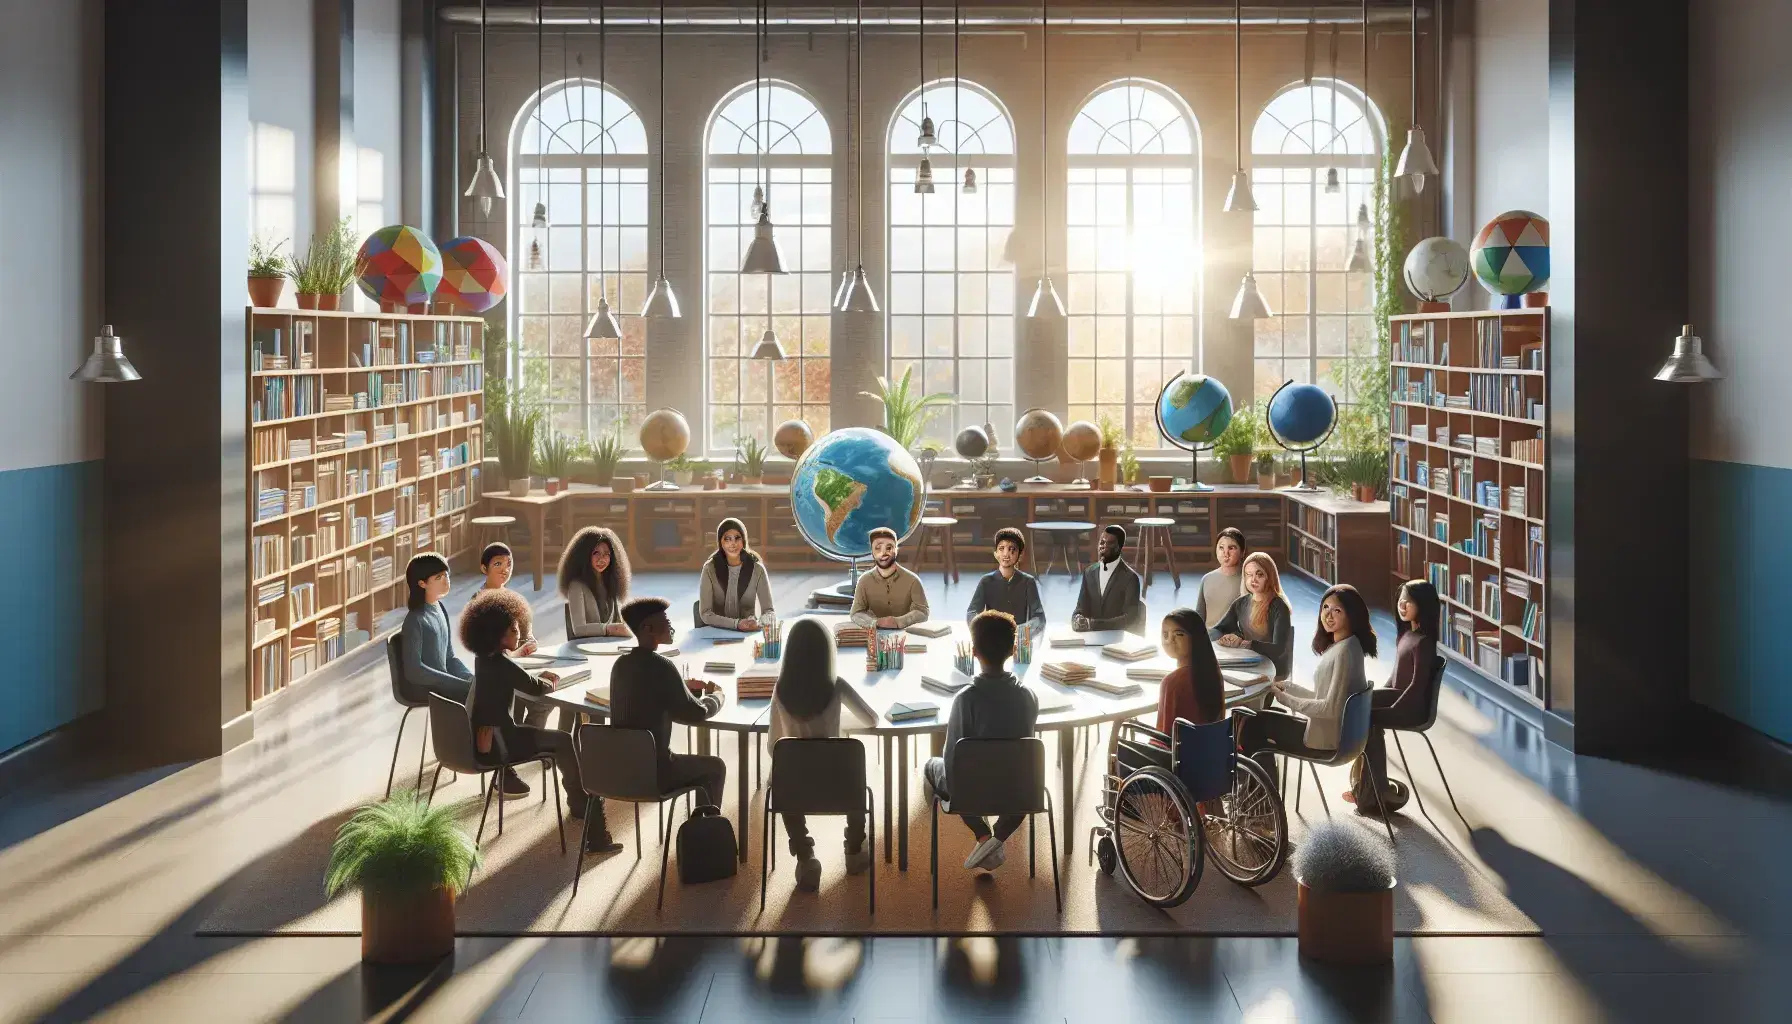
<point x="1170" y="803"/>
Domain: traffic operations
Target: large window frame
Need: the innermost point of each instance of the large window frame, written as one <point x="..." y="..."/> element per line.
<point x="744" y="396"/>
<point x="950" y="313"/>
<point x="1133" y="256"/>
<point x="593" y="385"/>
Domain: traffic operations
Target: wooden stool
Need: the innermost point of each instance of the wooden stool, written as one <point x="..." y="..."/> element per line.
<point x="1158" y="528"/>
<point x="493" y="528"/>
<point x="939" y="527"/>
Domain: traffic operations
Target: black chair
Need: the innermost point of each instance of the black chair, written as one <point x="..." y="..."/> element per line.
<point x="991" y="778"/>
<point x="816" y="776"/>
<point x="1353" y="735"/>
<point x="1423" y="730"/>
<point x="406" y="695"/>
<point x="457" y="752"/>
<point x="622" y="764"/>
<point x="566" y="614"/>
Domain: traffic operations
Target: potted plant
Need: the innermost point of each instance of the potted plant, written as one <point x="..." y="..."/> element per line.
<point x="906" y="411"/>
<point x="1266" y="471"/>
<point x="513" y="417"/>
<point x="1345" y="877"/>
<point x="683" y="468"/>
<point x="267" y="273"/>
<point x="554" y="453"/>
<point x="409" y="862"/>
<point x="1129" y="463"/>
<point x="1236" y="443"/>
<point x="750" y="457"/>
<point x="330" y="264"/>
<point x="606" y="455"/>
<point x="1108" y="465"/>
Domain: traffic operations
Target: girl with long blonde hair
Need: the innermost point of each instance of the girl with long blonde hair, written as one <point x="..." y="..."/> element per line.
<point x="1262" y="619"/>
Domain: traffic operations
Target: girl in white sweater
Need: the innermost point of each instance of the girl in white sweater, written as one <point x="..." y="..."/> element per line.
<point x="806" y="704"/>
<point x="1311" y="724"/>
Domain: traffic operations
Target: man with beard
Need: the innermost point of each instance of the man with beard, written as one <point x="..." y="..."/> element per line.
<point x="1109" y="598"/>
<point x="889" y="596"/>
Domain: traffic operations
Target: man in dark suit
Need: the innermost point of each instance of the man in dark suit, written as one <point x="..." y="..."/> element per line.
<point x="1109" y="598"/>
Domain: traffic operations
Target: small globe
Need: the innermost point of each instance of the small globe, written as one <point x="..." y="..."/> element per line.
<point x="400" y="266"/>
<point x="1511" y="254"/>
<point x="1301" y="414"/>
<point x="850" y="482"/>
<point x="474" y="275"/>
<point x="1193" y="410"/>
<point x="971" y="443"/>
<point x="665" y="434"/>
<point x="1037" y="434"/>
<point x="793" y="438"/>
<point x="1436" y="268"/>
<point x="1082" y="441"/>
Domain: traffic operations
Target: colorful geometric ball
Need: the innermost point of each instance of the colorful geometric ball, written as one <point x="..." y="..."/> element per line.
<point x="1511" y="254"/>
<point x="473" y="275"/>
<point x="403" y="266"/>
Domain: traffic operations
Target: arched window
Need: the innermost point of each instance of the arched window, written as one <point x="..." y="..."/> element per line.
<point x="595" y="385"/>
<point x="951" y="293"/>
<point x="747" y="396"/>
<point x="1134" y="253"/>
<point x="1303" y="234"/>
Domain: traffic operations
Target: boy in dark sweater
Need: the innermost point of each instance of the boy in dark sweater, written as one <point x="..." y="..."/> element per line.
<point x="1007" y="589"/>
<point x="494" y="624"/>
<point x="648" y="692"/>
<point x="994" y="707"/>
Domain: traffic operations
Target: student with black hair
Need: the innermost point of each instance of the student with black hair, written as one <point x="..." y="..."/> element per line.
<point x="1406" y="701"/>
<point x="1006" y="589"/>
<point x="647" y="691"/>
<point x="994" y="707"/>
<point x="1194" y="690"/>
<point x="427" y="634"/>
<point x="497" y="564"/>
<point x="1222" y="585"/>
<point x="806" y="703"/>
<point x="888" y="596"/>
<point x="493" y="626"/>
<point x="1311" y="725"/>
<point x="594" y="578"/>
<point x="1109" y="598"/>
<point x="734" y="591"/>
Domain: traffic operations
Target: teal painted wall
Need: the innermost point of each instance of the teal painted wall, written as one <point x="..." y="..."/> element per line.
<point x="49" y="599"/>
<point x="1742" y="564"/>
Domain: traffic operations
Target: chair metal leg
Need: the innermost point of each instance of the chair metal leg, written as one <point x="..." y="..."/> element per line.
<point x="1410" y="781"/>
<point x="765" y="853"/>
<point x="578" y="866"/>
<point x="422" y="750"/>
<point x="435" y="778"/>
<point x="870" y="847"/>
<point x="1032" y="836"/>
<point x="392" y="772"/>
<point x="559" y="819"/>
<point x="486" y="808"/>
<point x="637" y="808"/>
<point x="1441" y="776"/>
<point x="1379" y="807"/>
<point x="1300" y="769"/>
<point x="665" y="847"/>
<point x="495" y="785"/>
<point x="544" y="785"/>
<point x="1051" y="824"/>
<point x="1320" y="786"/>
<point x="934" y="860"/>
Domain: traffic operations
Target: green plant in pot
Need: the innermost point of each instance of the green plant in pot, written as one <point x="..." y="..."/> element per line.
<point x="684" y="468"/>
<point x="906" y="409"/>
<point x="554" y="453"/>
<point x="606" y="455"/>
<point x="750" y="456"/>
<point x="409" y="861"/>
<point x="1345" y="877"/>
<point x="1113" y="436"/>
<point x="1236" y="443"/>
<point x="1129" y="463"/>
<point x="267" y="273"/>
<point x="330" y="264"/>
<point x="514" y="416"/>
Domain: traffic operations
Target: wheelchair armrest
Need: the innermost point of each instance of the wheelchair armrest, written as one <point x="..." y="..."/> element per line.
<point x="1146" y="731"/>
<point x="1244" y="712"/>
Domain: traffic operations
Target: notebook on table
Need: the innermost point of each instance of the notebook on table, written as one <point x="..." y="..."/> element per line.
<point x="1064" y="636"/>
<point x="722" y="666"/>
<point x="598" y="698"/>
<point x="931" y="629"/>
<point x="1132" y="648"/>
<point x="1052" y="702"/>
<point x="1147" y="673"/>
<point x="908" y="710"/>
<point x="1111" y="687"/>
<point x="949" y="682"/>
<point x="611" y="646"/>
<point x="1236" y="656"/>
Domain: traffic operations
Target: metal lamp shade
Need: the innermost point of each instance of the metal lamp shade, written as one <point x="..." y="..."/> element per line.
<point x="1239" y="198"/>
<point x="857" y="297"/>
<point x="540" y="220"/>
<point x="107" y="363"/>
<point x="1359" y="246"/>
<point x="970" y="182"/>
<point x="603" y="323"/>
<point x="924" y="178"/>
<point x="1688" y="364"/>
<point x="1046" y="302"/>
<point x="1416" y="163"/>
<point x="927" y="139"/>
<point x="840" y="290"/>
<point x="769" y="346"/>
<point x="486" y="186"/>
<point x="1248" y="304"/>
<point x="763" y="256"/>
<point x="1332" y="185"/>
<point x="661" y="303"/>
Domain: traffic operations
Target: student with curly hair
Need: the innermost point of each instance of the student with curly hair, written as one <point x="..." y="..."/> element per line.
<point x="594" y="580"/>
<point x="493" y="625"/>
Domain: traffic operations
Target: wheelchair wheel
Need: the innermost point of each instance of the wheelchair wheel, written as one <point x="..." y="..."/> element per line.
<point x="1155" y="836"/>
<point x="1246" y="828"/>
<point x="1105" y="856"/>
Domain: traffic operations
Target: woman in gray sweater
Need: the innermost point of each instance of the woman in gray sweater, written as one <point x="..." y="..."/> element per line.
<point x="427" y="636"/>
<point x="1261" y="620"/>
<point x="735" y="592"/>
<point x="1312" y="723"/>
<point x="594" y="580"/>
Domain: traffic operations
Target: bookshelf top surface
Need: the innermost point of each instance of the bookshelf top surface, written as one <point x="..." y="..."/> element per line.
<point x="1333" y="505"/>
<point x="1475" y="314"/>
<point x="350" y="314"/>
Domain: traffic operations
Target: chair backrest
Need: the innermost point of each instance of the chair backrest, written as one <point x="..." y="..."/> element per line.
<point x="453" y="733"/>
<point x="402" y="691"/>
<point x="566" y="613"/>
<point x="1203" y="757"/>
<point x="1353" y="728"/>
<point x="618" y="764"/>
<point x="996" y="777"/>
<point x="818" y="776"/>
<point x="1437" y="688"/>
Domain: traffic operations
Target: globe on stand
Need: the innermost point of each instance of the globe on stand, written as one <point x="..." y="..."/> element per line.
<point x="1193" y="410"/>
<point x="793" y="438"/>
<point x="1301" y="417"/>
<point x="848" y="483"/>
<point x="1435" y="269"/>
<point x="1037" y="434"/>
<point x="1082" y="442"/>
<point x="665" y="434"/>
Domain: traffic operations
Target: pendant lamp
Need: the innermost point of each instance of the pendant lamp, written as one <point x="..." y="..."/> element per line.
<point x="970" y="175"/>
<point x="662" y="303"/>
<point x="970" y="182"/>
<point x="763" y="255"/>
<point x="1416" y="163"/>
<point x="1687" y="365"/>
<point x="486" y="186"/>
<point x="106" y="364"/>
<point x="855" y="286"/>
<point x="769" y="347"/>
<point x="538" y="221"/>
<point x="926" y="139"/>
<point x="1359" y="245"/>
<point x="602" y="325"/>
<point x="1248" y="304"/>
<point x="1238" y="198"/>
<point x="1045" y="301"/>
<point x="924" y="178"/>
<point x="1332" y="185"/>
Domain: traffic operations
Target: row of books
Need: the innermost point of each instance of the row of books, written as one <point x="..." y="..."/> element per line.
<point x="1533" y="554"/>
<point x="1482" y="595"/>
<point x="1420" y="343"/>
<point x="267" y="554"/>
<point x="1506" y="396"/>
<point x="268" y="349"/>
<point x="278" y="398"/>
<point x="1529" y="450"/>
<point x="302" y="602"/>
<point x="1485" y="539"/>
<point x="270" y="502"/>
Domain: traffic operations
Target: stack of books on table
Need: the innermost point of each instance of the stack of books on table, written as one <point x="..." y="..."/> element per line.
<point x="719" y="665"/>
<point x="756" y="682"/>
<point x="1065" y="638"/>
<point x="1067" y="671"/>
<point x="1052" y="702"/>
<point x="598" y="697"/>
<point x="1236" y="656"/>
<point x="930" y="629"/>
<point x="1147" y="673"/>
<point x="906" y="710"/>
<point x="1111" y="687"/>
<point x="1132" y="648"/>
<point x="850" y="634"/>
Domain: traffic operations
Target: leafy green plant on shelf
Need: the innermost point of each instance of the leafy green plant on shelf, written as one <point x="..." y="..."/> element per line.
<point x="606" y="455"/>
<point x="265" y="259"/>
<point x="906" y="409"/>
<point x="750" y="457"/>
<point x="1113" y="434"/>
<point x="514" y="416"/>
<point x="1240" y="435"/>
<point x="1129" y="463"/>
<point x="409" y="861"/>
<point x="554" y="453"/>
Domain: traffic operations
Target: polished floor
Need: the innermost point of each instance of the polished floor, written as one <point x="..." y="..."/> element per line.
<point x="1661" y="898"/>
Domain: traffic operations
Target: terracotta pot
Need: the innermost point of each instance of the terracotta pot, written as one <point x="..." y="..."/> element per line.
<point x="682" y="477"/>
<point x="1348" y="929"/>
<point x="1240" y="467"/>
<point x="1535" y="300"/>
<point x="519" y="488"/>
<point x="1294" y="477"/>
<point x="553" y="486"/>
<point x="1161" y="483"/>
<point x="264" y="292"/>
<point x="753" y="481"/>
<point x="605" y="477"/>
<point x="1364" y="493"/>
<point x="1108" y="468"/>
<point x="622" y="484"/>
<point x="307" y="300"/>
<point x="329" y="301"/>
<point x="1266" y="481"/>
<point x="407" y="928"/>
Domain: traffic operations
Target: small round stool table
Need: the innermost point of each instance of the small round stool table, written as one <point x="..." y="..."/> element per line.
<point x="1063" y="536"/>
<point x="493" y="528"/>
<point x="1157" y="528"/>
<point x="938" y="528"/>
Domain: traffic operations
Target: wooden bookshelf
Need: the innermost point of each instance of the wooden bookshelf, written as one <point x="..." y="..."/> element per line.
<point x="365" y="443"/>
<point x="1336" y="540"/>
<point x="1467" y="451"/>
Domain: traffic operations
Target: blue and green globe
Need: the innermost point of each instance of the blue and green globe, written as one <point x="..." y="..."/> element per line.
<point x="851" y="482"/>
<point x="1193" y="409"/>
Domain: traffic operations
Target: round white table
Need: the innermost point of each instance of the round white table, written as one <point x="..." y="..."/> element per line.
<point x="1063" y="709"/>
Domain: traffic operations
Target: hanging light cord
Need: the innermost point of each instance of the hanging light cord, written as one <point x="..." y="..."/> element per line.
<point x="603" y="133"/>
<point x="957" y="101"/>
<point x="858" y="89"/>
<point x="662" y="138"/>
<point x="1045" y="52"/>
<point x="1238" y="84"/>
<point x="1414" y="33"/>
<point x="482" y="90"/>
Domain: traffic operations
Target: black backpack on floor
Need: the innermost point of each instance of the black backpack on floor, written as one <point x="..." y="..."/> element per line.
<point x="706" y="849"/>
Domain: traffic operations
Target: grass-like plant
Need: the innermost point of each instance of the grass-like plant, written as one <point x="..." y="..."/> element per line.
<point x="1113" y="435"/>
<point x="750" y="456"/>
<point x="265" y="259"/>
<point x="554" y="452"/>
<point x="331" y="262"/>
<point x="401" y="846"/>
<point x="906" y="409"/>
<point x="606" y="454"/>
<point x="1129" y="463"/>
<point x="514" y="416"/>
<point x="1341" y="856"/>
